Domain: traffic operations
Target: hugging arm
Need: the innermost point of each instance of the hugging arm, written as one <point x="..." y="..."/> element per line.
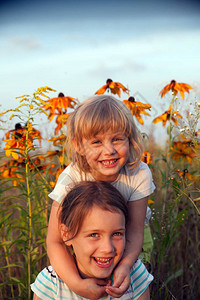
<point x="63" y="262"/>
<point x="134" y="240"/>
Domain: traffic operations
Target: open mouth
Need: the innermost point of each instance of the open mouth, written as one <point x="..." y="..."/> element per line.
<point x="103" y="262"/>
<point x="109" y="162"/>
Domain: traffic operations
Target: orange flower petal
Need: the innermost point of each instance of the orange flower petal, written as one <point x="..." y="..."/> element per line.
<point x="176" y="87"/>
<point x="102" y="90"/>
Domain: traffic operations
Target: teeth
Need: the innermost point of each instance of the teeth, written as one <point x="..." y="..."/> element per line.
<point x="108" y="162"/>
<point x="102" y="261"/>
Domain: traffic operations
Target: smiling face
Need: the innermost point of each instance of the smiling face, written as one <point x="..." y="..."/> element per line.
<point x="106" y="154"/>
<point x="100" y="243"/>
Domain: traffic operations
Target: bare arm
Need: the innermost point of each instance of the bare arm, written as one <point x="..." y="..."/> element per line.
<point x="59" y="256"/>
<point x="135" y="230"/>
<point x="63" y="262"/>
<point x="35" y="297"/>
<point x="134" y="240"/>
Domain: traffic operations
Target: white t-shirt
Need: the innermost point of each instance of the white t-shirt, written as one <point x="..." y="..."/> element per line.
<point x="133" y="184"/>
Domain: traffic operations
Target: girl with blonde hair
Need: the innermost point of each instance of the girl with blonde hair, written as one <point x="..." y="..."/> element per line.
<point x="104" y="145"/>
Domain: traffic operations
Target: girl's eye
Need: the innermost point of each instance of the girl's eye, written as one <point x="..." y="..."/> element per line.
<point x="94" y="235"/>
<point x="118" y="138"/>
<point x="118" y="234"/>
<point x="96" y="142"/>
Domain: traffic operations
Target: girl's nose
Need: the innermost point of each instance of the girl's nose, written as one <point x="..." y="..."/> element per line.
<point x="107" y="246"/>
<point x="109" y="148"/>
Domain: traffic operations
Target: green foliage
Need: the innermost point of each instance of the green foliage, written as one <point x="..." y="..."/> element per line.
<point x="175" y="218"/>
<point x="24" y="212"/>
<point x="23" y="245"/>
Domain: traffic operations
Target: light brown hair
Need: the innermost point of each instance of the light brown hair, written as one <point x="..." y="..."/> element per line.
<point x="97" y="115"/>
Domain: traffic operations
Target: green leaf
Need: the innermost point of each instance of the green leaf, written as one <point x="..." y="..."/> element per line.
<point x="174" y="276"/>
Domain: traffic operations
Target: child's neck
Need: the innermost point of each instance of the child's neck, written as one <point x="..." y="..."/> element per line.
<point x="84" y="276"/>
<point x="106" y="178"/>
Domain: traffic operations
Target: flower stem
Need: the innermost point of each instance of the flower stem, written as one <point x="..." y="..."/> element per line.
<point x="7" y="261"/>
<point x="29" y="211"/>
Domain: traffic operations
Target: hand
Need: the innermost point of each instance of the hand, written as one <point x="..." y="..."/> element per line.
<point x="121" y="282"/>
<point x="92" y="288"/>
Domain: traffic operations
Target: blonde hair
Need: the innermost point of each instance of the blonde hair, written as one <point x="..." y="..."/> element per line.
<point x="99" y="114"/>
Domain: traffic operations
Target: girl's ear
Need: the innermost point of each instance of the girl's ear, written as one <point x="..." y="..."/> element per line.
<point x="65" y="235"/>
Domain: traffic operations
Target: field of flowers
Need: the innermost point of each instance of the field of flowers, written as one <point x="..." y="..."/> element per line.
<point x="28" y="173"/>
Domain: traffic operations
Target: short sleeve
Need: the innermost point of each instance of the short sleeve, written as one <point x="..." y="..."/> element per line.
<point x="140" y="279"/>
<point x="66" y="181"/>
<point x="60" y="189"/>
<point x="135" y="184"/>
<point x="45" y="285"/>
<point x="141" y="182"/>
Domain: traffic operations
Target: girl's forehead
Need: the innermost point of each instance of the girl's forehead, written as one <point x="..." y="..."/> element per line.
<point x="104" y="133"/>
<point x="95" y="219"/>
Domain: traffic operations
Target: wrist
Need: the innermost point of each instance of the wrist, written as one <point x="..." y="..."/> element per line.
<point x="128" y="262"/>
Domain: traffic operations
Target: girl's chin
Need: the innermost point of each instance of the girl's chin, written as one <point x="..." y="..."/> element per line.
<point x="97" y="275"/>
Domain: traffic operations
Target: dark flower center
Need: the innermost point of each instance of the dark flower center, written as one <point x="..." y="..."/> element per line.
<point x="61" y="95"/>
<point x="131" y="99"/>
<point x="108" y="81"/>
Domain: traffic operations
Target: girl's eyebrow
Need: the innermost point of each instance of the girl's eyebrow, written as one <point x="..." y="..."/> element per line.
<point x="100" y="230"/>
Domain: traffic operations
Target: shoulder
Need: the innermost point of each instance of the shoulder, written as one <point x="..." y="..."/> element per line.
<point x="71" y="170"/>
<point x="141" y="169"/>
<point x="48" y="274"/>
<point x="136" y="176"/>
<point x="49" y="286"/>
<point x="45" y="284"/>
<point x="136" y="183"/>
<point x="140" y="175"/>
<point x="66" y="179"/>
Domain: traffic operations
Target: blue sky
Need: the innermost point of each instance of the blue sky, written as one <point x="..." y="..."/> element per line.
<point x="74" y="46"/>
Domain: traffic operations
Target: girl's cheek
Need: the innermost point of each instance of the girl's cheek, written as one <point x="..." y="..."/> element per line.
<point x="94" y="151"/>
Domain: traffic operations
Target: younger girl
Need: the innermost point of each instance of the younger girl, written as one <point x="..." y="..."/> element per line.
<point x="105" y="146"/>
<point x="93" y="217"/>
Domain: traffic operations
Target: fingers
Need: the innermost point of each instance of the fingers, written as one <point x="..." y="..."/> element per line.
<point x="114" y="291"/>
<point x="122" y="282"/>
<point x="94" y="288"/>
<point x="118" y="288"/>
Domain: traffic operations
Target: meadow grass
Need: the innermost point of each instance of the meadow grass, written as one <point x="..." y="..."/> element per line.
<point x="28" y="175"/>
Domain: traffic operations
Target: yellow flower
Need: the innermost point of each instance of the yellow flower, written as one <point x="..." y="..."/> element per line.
<point x="167" y="115"/>
<point x="137" y="108"/>
<point x="146" y="157"/>
<point x="114" y="87"/>
<point x="60" y="121"/>
<point x="185" y="173"/>
<point x="10" y="170"/>
<point x="56" y="153"/>
<point x="150" y="201"/>
<point x="175" y="87"/>
<point x="16" y="139"/>
<point x="59" y="140"/>
<point x="183" y="150"/>
<point x="58" y="106"/>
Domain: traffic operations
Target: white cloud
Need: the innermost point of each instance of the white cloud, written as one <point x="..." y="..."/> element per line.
<point x="26" y="43"/>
